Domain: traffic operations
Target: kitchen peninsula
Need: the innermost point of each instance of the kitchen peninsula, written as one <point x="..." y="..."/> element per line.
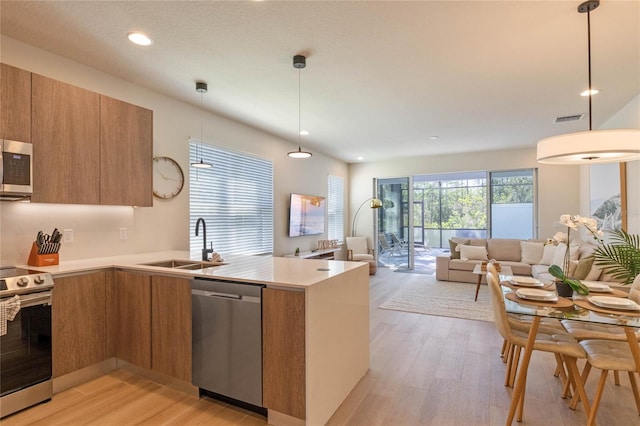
<point x="315" y="322"/>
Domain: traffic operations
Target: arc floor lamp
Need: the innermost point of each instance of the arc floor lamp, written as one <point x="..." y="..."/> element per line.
<point x="374" y="203"/>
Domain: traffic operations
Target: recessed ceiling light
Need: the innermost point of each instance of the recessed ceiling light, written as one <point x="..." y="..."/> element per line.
<point x="304" y="132"/>
<point x="360" y="158"/>
<point x="139" y="39"/>
<point x="433" y="138"/>
<point x="589" y="92"/>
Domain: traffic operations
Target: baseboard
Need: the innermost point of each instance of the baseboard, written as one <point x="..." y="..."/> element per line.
<point x="83" y="375"/>
<point x="160" y="378"/>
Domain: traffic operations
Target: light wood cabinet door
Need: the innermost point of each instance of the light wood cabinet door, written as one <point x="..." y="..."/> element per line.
<point x="79" y="322"/>
<point x="66" y="143"/>
<point x="133" y="330"/>
<point x="171" y="327"/>
<point x="126" y="153"/>
<point x="15" y="104"/>
<point x="283" y="354"/>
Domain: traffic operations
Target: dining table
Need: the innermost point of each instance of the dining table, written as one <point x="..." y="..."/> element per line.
<point x="576" y="308"/>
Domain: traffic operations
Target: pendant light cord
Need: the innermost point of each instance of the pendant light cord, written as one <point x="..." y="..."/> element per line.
<point x="201" y="123"/>
<point x="299" y="111"/>
<point x="589" y="61"/>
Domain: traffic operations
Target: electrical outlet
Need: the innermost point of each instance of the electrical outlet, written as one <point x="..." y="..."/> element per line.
<point x="68" y="235"/>
<point x="123" y="233"/>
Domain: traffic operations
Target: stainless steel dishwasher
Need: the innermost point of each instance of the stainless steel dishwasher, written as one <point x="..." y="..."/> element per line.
<point x="227" y="339"/>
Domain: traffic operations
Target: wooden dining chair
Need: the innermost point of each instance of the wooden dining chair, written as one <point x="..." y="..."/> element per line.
<point x="591" y="331"/>
<point x="609" y="355"/>
<point x="510" y="354"/>
<point x="563" y="346"/>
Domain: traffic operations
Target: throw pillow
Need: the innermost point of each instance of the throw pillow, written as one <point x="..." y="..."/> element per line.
<point x="594" y="273"/>
<point x="472" y="252"/>
<point x="453" y="243"/>
<point x="547" y="254"/>
<point x="558" y="254"/>
<point x="531" y="252"/>
<point x="583" y="268"/>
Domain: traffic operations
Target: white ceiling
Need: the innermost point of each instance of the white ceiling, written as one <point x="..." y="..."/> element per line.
<point x="381" y="77"/>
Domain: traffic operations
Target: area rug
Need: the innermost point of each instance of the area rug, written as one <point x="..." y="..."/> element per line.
<point x="442" y="298"/>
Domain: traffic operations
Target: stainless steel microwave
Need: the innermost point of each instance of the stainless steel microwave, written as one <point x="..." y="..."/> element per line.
<point x="16" y="170"/>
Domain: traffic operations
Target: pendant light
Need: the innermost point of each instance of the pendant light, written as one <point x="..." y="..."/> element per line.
<point x="299" y="62"/>
<point x="201" y="87"/>
<point x="593" y="146"/>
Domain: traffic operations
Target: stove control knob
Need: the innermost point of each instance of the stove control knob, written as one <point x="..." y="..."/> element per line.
<point x="23" y="281"/>
<point x="39" y="279"/>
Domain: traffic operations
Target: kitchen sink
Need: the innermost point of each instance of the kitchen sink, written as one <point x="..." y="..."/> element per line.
<point x="183" y="264"/>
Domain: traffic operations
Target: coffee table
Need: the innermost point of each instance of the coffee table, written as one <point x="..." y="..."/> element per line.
<point x="504" y="272"/>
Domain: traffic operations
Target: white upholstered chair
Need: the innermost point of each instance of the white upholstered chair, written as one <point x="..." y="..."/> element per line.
<point x="358" y="250"/>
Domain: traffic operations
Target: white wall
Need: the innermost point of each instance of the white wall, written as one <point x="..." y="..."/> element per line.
<point x="627" y="118"/>
<point x="558" y="186"/>
<point x="165" y="226"/>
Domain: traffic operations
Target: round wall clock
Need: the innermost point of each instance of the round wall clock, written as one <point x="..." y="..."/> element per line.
<point x="168" y="178"/>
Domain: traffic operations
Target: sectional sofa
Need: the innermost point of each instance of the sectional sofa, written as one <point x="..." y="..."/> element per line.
<point x="525" y="257"/>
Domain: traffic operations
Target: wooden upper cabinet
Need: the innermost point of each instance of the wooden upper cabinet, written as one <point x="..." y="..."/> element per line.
<point x="79" y="314"/>
<point x="66" y="143"/>
<point x="126" y="153"/>
<point x="15" y="104"/>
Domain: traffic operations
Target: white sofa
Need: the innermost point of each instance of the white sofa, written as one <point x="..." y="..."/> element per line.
<point x="524" y="258"/>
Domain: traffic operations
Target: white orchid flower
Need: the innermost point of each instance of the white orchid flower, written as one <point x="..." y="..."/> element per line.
<point x="560" y="237"/>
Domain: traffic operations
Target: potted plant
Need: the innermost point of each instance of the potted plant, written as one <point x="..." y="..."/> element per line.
<point x="621" y="257"/>
<point x="565" y="285"/>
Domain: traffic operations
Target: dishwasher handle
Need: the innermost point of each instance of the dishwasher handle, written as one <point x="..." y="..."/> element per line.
<point x="207" y="293"/>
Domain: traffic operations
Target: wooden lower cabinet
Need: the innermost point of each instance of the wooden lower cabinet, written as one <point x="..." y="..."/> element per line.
<point x="283" y="351"/>
<point x="171" y="327"/>
<point x="133" y="328"/>
<point x="79" y="334"/>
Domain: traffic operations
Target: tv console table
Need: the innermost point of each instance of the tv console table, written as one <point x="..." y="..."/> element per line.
<point x="324" y="254"/>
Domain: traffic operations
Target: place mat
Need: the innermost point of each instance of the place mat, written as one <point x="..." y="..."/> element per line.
<point x="551" y="287"/>
<point x="548" y="287"/>
<point x="561" y="303"/>
<point x="584" y="303"/>
<point x="613" y="293"/>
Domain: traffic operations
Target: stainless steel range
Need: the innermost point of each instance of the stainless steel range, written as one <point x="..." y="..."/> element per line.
<point x="25" y="339"/>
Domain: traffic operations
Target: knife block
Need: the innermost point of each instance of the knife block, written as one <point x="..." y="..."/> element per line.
<point x="36" y="259"/>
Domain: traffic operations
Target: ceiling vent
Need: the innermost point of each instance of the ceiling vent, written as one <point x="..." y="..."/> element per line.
<point x="568" y="118"/>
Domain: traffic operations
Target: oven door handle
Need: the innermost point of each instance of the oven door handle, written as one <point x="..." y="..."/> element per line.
<point x="35" y="299"/>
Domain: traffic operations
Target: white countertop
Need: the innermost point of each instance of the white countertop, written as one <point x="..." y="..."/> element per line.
<point x="279" y="271"/>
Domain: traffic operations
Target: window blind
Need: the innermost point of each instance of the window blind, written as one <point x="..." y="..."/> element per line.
<point x="234" y="197"/>
<point x="335" y="208"/>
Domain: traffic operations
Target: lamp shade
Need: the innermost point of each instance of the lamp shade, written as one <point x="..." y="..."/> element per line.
<point x="591" y="147"/>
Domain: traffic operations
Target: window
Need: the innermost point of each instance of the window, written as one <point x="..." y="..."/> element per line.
<point x="234" y="197"/>
<point x="335" y="207"/>
<point x="512" y="207"/>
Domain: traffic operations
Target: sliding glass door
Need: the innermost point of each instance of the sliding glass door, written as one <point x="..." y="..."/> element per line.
<point x="394" y="225"/>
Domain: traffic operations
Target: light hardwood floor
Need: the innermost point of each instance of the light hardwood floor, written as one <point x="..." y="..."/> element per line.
<point x="425" y="370"/>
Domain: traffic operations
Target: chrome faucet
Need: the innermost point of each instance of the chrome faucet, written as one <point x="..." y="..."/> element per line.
<point x="205" y="250"/>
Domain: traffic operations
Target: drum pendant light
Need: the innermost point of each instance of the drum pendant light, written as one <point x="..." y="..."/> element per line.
<point x="593" y="146"/>
<point x="201" y="87"/>
<point x="299" y="62"/>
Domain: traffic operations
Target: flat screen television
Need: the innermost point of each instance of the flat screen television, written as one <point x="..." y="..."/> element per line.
<point x="306" y="215"/>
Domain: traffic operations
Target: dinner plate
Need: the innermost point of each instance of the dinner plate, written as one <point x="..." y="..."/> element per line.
<point x="526" y="281"/>
<point x="614" y="303"/>
<point x="597" y="287"/>
<point x="537" y="294"/>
